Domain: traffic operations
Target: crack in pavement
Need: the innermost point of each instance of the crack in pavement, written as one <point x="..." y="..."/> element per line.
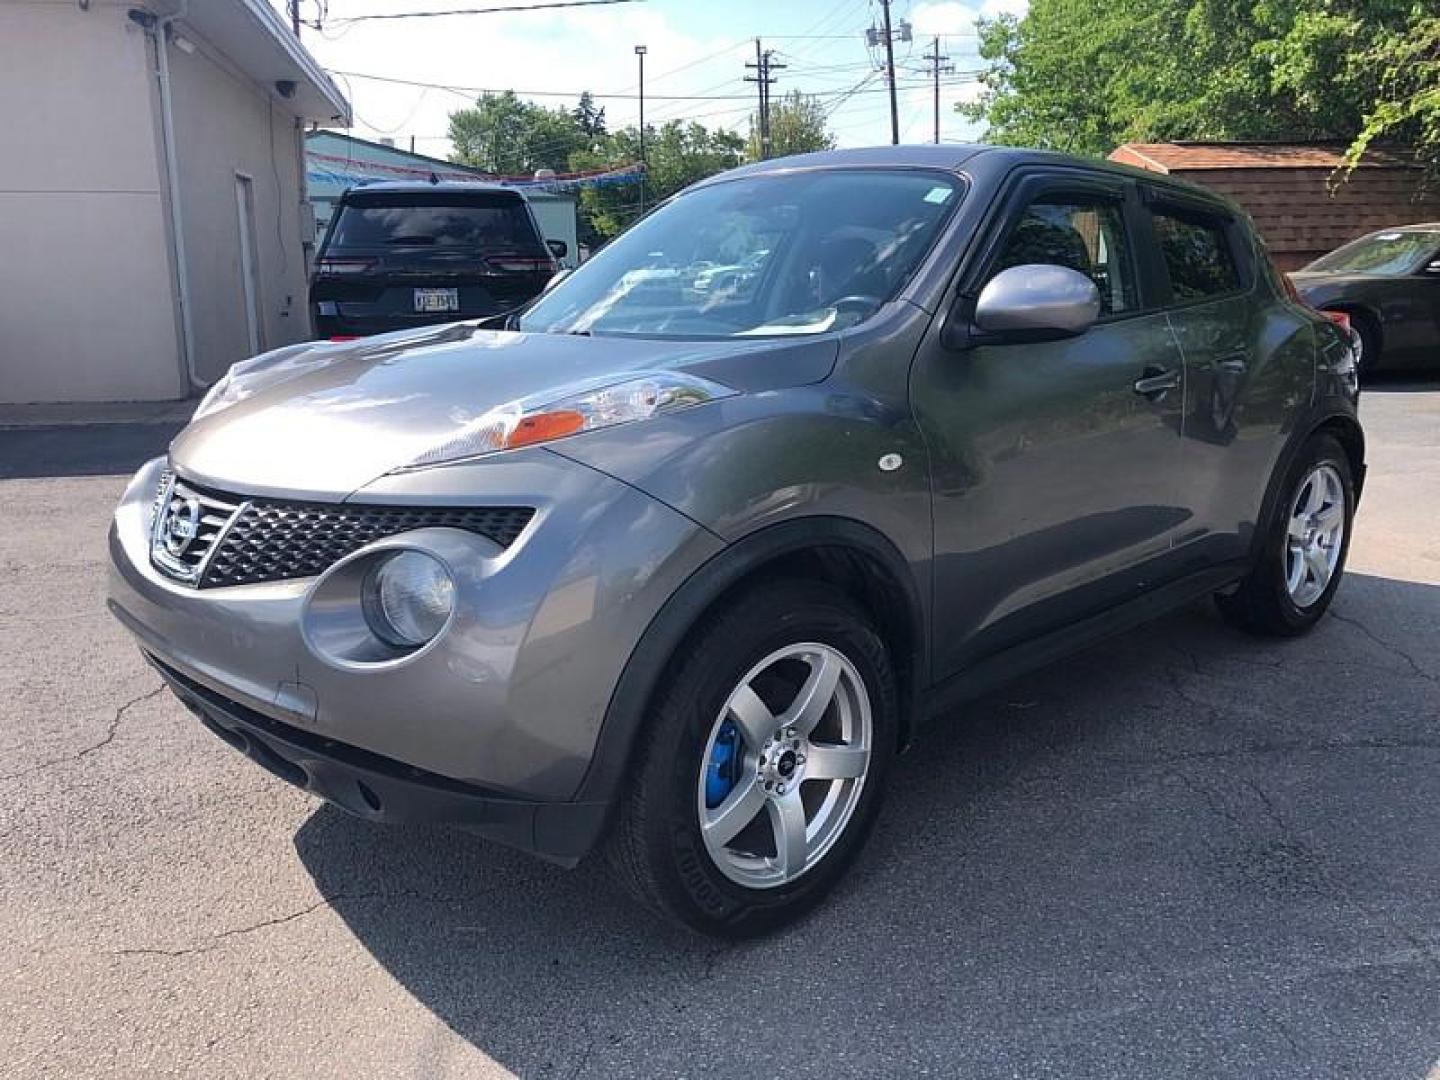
<point x="217" y="940"/>
<point x="110" y="732"/>
<point x="1389" y="647"/>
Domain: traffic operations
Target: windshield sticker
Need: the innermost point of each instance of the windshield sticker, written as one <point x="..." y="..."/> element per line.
<point x="1388" y="236"/>
<point x="938" y="194"/>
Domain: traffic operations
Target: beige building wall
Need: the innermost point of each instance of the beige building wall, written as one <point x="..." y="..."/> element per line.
<point x="227" y="127"/>
<point x="86" y="305"/>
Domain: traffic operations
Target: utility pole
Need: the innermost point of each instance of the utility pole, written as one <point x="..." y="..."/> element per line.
<point x="935" y="60"/>
<point x="295" y="16"/>
<point x="890" y="75"/>
<point x="640" y="54"/>
<point x="763" y="66"/>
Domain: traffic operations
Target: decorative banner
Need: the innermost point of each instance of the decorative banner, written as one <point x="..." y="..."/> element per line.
<point x="349" y="172"/>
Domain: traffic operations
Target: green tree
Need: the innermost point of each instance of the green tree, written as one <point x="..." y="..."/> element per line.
<point x="677" y="153"/>
<point x="590" y="120"/>
<point x="1086" y="75"/>
<point x="797" y="126"/>
<point x="504" y="135"/>
<point x="1406" y="67"/>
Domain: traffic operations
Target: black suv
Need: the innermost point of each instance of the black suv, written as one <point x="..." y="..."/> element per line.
<point x="403" y="255"/>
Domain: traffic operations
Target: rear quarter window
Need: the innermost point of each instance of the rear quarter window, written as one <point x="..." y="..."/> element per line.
<point x="1197" y="255"/>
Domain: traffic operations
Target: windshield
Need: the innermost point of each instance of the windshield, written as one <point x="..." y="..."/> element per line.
<point x="777" y="254"/>
<point x="472" y="221"/>
<point x="1380" y="253"/>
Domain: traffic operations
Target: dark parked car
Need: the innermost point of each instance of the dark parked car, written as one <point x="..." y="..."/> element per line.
<point x="1388" y="283"/>
<point x="403" y="255"/>
<point x="671" y="574"/>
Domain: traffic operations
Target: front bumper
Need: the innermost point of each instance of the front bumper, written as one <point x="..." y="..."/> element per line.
<point x="381" y="789"/>
<point x="508" y="701"/>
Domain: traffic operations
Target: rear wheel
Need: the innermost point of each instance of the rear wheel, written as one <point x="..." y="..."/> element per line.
<point x="762" y="764"/>
<point x="1302" y="561"/>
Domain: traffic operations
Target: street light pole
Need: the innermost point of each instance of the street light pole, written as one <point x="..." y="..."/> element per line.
<point x="640" y="54"/>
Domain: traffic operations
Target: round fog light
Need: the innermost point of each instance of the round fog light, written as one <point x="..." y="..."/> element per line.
<point x="407" y="599"/>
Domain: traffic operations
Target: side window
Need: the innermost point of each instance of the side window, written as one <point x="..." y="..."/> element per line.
<point x="1086" y="235"/>
<point x="1197" y="255"/>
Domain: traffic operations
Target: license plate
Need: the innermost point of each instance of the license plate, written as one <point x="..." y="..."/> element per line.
<point x="428" y="301"/>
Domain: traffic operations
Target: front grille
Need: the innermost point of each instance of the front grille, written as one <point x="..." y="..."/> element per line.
<point x="185" y="524"/>
<point x="274" y="540"/>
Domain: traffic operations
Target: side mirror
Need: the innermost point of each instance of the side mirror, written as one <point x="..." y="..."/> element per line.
<point x="555" y="279"/>
<point x="558" y="248"/>
<point x="1037" y="302"/>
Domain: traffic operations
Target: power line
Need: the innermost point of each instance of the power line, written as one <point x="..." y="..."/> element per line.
<point x="477" y="11"/>
<point x="575" y="94"/>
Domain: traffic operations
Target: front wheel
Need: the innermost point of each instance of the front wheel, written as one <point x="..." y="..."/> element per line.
<point x="761" y="766"/>
<point x="1300" y="566"/>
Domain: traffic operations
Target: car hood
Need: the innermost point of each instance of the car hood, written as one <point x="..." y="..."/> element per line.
<point x="321" y="420"/>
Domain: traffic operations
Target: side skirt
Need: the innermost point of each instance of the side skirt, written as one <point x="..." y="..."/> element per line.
<point x="1000" y="668"/>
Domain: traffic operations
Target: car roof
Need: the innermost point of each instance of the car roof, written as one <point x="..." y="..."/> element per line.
<point x="421" y="187"/>
<point x="986" y="163"/>
<point x="1419" y="226"/>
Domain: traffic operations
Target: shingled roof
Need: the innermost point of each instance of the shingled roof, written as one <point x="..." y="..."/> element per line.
<point x="1168" y="157"/>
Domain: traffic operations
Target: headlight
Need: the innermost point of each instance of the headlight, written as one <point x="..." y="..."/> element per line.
<point x="597" y="404"/>
<point x="408" y="598"/>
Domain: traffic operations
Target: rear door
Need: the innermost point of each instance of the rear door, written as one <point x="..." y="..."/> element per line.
<point x="1053" y="465"/>
<point x="1248" y="354"/>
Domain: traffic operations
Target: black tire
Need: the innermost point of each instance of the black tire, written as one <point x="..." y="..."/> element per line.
<point x="1262" y="604"/>
<point x="655" y="846"/>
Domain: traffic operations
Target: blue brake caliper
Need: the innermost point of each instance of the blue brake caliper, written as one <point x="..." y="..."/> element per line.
<point x="723" y="768"/>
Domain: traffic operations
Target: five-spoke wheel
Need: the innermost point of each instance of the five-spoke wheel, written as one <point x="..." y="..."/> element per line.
<point x="1298" y="568"/>
<point x="762" y="763"/>
<point x="785" y="764"/>
<point x="1316" y="534"/>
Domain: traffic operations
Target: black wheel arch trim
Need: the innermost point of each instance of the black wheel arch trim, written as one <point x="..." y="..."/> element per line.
<point x="630" y="700"/>
<point x="1333" y="413"/>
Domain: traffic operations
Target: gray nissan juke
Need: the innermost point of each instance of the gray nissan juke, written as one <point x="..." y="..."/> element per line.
<point x="671" y="573"/>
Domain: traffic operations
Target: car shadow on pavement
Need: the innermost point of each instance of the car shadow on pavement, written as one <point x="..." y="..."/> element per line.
<point x="1181" y="851"/>
<point x="81" y="449"/>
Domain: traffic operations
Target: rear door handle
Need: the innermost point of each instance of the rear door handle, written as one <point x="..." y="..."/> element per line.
<point x="1155" y="382"/>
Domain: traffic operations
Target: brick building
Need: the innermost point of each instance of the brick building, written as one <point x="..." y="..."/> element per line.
<point x="1286" y="188"/>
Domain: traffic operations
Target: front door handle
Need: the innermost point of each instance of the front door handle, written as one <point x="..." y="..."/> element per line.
<point x="1155" y="382"/>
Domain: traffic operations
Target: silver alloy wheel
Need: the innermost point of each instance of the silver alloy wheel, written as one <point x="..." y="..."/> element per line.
<point x="1315" y="535"/>
<point x="802" y="767"/>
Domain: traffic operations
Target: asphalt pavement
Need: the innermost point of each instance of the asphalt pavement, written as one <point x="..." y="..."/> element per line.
<point x="1180" y="853"/>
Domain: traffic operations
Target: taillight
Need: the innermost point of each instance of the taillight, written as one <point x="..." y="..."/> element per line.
<point x="344" y="266"/>
<point x="519" y="264"/>
<point x="344" y="337"/>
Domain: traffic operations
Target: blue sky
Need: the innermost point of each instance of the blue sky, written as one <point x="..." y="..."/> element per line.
<point x="695" y="49"/>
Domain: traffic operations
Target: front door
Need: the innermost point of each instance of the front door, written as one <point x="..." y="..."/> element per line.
<point x="1053" y="465"/>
